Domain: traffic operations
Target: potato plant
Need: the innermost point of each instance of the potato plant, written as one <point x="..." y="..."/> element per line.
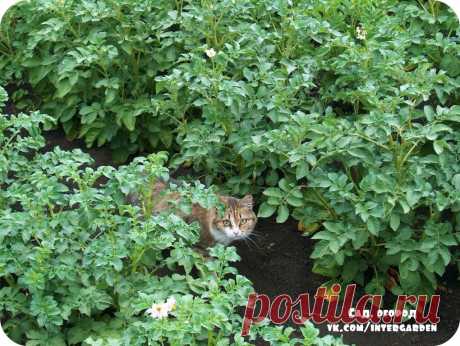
<point x="385" y="188"/>
<point x="81" y="266"/>
<point x="343" y="113"/>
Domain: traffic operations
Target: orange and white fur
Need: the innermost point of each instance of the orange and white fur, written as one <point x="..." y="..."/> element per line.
<point x="238" y="221"/>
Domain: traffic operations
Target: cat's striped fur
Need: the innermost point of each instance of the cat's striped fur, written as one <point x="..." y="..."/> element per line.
<point x="238" y="221"/>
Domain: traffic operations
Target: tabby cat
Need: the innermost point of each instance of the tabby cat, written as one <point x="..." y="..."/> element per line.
<point x="238" y="221"/>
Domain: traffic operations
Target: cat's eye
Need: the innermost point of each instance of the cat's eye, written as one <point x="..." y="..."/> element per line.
<point x="226" y="223"/>
<point x="244" y="221"/>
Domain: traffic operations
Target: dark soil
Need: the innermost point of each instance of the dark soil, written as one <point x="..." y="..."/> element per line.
<point x="278" y="263"/>
<point x="101" y="156"/>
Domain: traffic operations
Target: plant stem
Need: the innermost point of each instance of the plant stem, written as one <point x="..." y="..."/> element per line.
<point x="136" y="260"/>
<point x="325" y="204"/>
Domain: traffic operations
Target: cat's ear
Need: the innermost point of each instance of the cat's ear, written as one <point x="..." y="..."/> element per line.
<point x="247" y="202"/>
<point x="223" y="199"/>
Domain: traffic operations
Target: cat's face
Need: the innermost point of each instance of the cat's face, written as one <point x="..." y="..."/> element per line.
<point x="238" y="221"/>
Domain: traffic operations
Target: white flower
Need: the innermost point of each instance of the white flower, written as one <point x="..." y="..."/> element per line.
<point x="158" y="311"/>
<point x="161" y="310"/>
<point x="361" y="33"/>
<point x="210" y="53"/>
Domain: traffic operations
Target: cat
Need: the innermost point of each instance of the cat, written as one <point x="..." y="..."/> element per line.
<point x="237" y="222"/>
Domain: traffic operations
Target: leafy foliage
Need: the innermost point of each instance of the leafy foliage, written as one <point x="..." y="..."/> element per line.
<point x="384" y="191"/>
<point x="344" y="113"/>
<point x="79" y="265"/>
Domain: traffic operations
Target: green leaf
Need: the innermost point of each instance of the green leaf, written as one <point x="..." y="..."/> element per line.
<point x="283" y="184"/>
<point x="412" y="197"/>
<point x="373" y="226"/>
<point x="311" y="159"/>
<point x="445" y="255"/>
<point x="394" y="221"/>
<point x="429" y="113"/>
<point x="404" y="206"/>
<point x="266" y="210"/>
<point x="334" y="246"/>
<point x="359" y="238"/>
<point x="375" y="286"/>
<point x="63" y="88"/>
<point x="301" y="170"/>
<point x="362" y="153"/>
<point x="323" y="235"/>
<point x="450" y="64"/>
<point x="294" y="201"/>
<point x="3" y="96"/>
<point x="456" y="181"/>
<point x="129" y="121"/>
<point x="448" y="240"/>
<point x="273" y="192"/>
<point x="65" y="85"/>
<point x="283" y="214"/>
<point x="329" y="270"/>
<point x="438" y="146"/>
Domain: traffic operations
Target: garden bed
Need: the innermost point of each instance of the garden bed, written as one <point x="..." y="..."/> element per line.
<point x="341" y="118"/>
<point x="277" y="262"/>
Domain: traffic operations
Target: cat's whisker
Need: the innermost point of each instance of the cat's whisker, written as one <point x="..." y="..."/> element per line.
<point x="251" y="241"/>
<point x="250" y="244"/>
<point x="256" y="234"/>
